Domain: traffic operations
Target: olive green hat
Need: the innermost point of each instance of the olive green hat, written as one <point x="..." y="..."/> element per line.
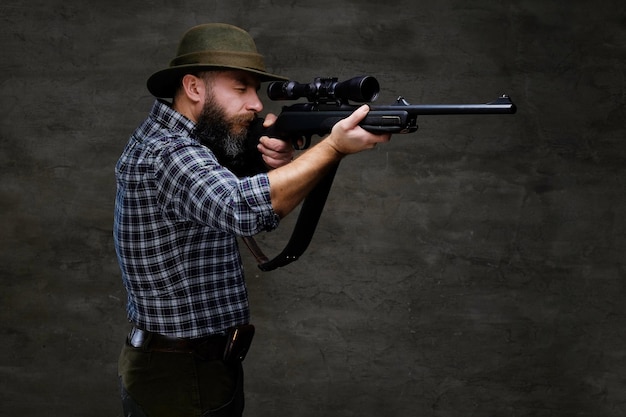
<point x="210" y="46"/>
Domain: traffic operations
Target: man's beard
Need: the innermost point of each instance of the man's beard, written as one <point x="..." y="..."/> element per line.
<point x="225" y="137"/>
<point x="229" y="139"/>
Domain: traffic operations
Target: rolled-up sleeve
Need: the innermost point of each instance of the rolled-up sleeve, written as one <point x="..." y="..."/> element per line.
<point x="193" y="186"/>
<point x="256" y="193"/>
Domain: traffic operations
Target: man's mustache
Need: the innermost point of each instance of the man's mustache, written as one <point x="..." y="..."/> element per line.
<point x="245" y="119"/>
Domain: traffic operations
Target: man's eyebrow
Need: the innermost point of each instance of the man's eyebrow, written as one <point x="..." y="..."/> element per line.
<point x="248" y="80"/>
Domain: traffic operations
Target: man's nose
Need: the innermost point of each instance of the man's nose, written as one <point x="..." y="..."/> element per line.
<point x="255" y="104"/>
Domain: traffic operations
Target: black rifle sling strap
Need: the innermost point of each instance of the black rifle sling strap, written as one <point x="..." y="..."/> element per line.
<point x="304" y="229"/>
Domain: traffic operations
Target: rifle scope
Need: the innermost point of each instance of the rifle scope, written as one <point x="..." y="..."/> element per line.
<point x="326" y="90"/>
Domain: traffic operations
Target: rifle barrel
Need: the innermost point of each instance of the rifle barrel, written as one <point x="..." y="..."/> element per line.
<point x="502" y="105"/>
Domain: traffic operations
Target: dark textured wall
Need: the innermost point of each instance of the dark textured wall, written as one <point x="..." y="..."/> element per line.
<point x="474" y="268"/>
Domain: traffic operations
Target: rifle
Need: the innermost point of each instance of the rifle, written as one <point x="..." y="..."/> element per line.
<point x="328" y="103"/>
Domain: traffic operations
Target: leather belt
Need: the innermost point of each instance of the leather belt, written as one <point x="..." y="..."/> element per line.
<point x="209" y="348"/>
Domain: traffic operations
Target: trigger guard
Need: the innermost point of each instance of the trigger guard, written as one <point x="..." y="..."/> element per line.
<point x="307" y="143"/>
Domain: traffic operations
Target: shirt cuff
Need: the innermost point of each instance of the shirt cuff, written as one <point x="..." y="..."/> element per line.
<point x="256" y="192"/>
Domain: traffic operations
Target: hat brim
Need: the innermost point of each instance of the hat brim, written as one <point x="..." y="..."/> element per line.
<point x="164" y="83"/>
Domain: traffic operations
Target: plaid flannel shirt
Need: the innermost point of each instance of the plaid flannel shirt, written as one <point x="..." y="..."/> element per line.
<point x="178" y="213"/>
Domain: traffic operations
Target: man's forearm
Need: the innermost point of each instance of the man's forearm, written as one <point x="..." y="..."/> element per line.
<point x="291" y="183"/>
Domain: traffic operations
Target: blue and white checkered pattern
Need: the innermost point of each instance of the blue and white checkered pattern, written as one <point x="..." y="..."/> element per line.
<point x="177" y="217"/>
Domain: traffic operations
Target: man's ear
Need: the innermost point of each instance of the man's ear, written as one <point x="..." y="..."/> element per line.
<point x="193" y="87"/>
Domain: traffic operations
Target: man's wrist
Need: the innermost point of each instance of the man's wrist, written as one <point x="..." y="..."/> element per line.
<point x="336" y="153"/>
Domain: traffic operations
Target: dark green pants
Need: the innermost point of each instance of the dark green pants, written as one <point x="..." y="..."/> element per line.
<point x="155" y="384"/>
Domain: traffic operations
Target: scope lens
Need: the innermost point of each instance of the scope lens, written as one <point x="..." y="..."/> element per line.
<point x="369" y="88"/>
<point x="362" y="89"/>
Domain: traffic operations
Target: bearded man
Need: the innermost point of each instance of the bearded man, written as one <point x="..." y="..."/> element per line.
<point x="188" y="184"/>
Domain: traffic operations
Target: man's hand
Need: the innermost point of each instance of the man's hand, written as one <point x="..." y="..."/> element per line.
<point x="275" y="152"/>
<point x="347" y="137"/>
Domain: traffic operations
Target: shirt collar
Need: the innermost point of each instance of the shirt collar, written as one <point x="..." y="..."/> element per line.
<point x="163" y="113"/>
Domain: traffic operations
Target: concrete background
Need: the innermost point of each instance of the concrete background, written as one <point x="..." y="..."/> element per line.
<point x="475" y="268"/>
